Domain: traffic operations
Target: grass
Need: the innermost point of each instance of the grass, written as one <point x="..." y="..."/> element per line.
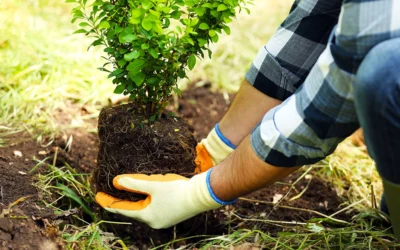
<point x="45" y="68"/>
<point x="49" y="83"/>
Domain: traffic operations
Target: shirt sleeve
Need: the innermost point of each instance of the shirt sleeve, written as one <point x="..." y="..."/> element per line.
<point x="282" y="65"/>
<point x="308" y="126"/>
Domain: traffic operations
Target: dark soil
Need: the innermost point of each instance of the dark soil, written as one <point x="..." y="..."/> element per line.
<point x="15" y="182"/>
<point x="22" y="224"/>
<point x="18" y="231"/>
<point x="202" y="108"/>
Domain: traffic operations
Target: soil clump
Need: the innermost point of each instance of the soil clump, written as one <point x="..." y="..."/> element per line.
<point x="129" y="143"/>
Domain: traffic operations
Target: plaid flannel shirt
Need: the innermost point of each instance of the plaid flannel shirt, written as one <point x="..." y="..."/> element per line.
<point x="310" y="64"/>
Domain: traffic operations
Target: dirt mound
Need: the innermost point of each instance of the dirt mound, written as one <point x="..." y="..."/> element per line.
<point x="20" y="232"/>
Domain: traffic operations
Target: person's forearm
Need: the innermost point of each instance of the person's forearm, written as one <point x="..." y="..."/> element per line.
<point x="245" y="112"/>
<point x="243" y="172"/>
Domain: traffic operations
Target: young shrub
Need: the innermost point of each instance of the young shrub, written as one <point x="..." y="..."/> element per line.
<point x="149" y="43"/>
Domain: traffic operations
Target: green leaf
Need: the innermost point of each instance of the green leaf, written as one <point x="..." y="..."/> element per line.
<point x="178" y="92"/>
<point x="202" y="42"/>
<point x="147" y="24"/>
<point x="227" y="30"/>
<point x="136" y="13"/>
<point x="66" y="191"/>
<point x="153" y="118"/>
<point x="212" y="33"/>
<point x="200" y="11"/>
<point x="104" y="25"/>
<point x="119" y="89"/>
<point x="144" y="46"/>
<point x="132" y="55"/>
<point x="153" y="53"/>
<point x="146" y="4"/>
<point x="115" y="72"/>
<point x="127" y="38"/>
<point x="214" y="13"/>
<point x="181" y="73"/>
<point x="138" y="78"/>
<point x="189" y="3"/>
<point x="135" y="20"/>
<point x="152" y="81"/>
<point x="130" y="87"/>
<point x="227" y="20"/>
<point x="154" y="15"/>
<point x="135" y="66"/>
<point x="80" y="31"/>
<point x="192" y="61"/>
<point x="222" y="7"/>
<point x="121" y="63"/>
<point x="83" y="24"/>
<point x="207" y="5"/>
<point x="204" y="26"/>
<point x="176" y="14"/>
<point x="118" y="29"/>
<point x="194" y="21"/>
<point x="167" y="22"/>
<point x="109" y="50"/>
<point x="229" y="2"/>
<point x="214" y="38"/>
<point x="166" y="10"/>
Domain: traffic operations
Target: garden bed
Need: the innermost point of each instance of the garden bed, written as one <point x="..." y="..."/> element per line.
<point x="297" y="199"/>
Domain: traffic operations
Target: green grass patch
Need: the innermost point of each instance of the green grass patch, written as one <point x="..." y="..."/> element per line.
<point x="44" y="67"/>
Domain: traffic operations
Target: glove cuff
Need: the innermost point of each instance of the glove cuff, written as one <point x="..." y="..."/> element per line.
<point x="223" y="138"/>
<point x="217" y="145"/>
<point x="212" y="194"/>
<point x="203" y="198"/>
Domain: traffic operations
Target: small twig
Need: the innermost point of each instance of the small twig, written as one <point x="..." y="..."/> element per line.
<point x="11" y="205"/>
<point x="271" y="221"/>
<point x="1" y="194"/>
<point x="296" y="208"/>
<point x="293" y="184"/>
<point x="55" y="157"/>
<point x="348" y="207"/>
<point x="373" y="198"/>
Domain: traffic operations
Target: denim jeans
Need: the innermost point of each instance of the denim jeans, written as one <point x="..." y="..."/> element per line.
<point x="377" y="100"/>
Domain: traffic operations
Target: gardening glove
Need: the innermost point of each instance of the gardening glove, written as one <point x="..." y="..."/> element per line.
<point x="212" y="150"/>
<point x="171" y="198"/>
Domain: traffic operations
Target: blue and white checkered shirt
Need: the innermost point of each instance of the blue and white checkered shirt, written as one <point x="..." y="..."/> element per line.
<point x="310" y="64"/>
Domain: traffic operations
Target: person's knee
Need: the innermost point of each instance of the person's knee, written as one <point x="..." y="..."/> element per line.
<point x="378" y="72"/>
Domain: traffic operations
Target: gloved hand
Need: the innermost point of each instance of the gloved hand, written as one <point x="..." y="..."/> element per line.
<point x="212" y="150"/>
<point x="171" y="198"/>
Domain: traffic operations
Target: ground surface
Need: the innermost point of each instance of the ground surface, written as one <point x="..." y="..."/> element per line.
<point x="27" y="225"/>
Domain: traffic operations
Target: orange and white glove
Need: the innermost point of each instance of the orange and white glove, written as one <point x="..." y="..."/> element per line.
<point x="212" y="150"/>
<point x="171" y="198"/>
